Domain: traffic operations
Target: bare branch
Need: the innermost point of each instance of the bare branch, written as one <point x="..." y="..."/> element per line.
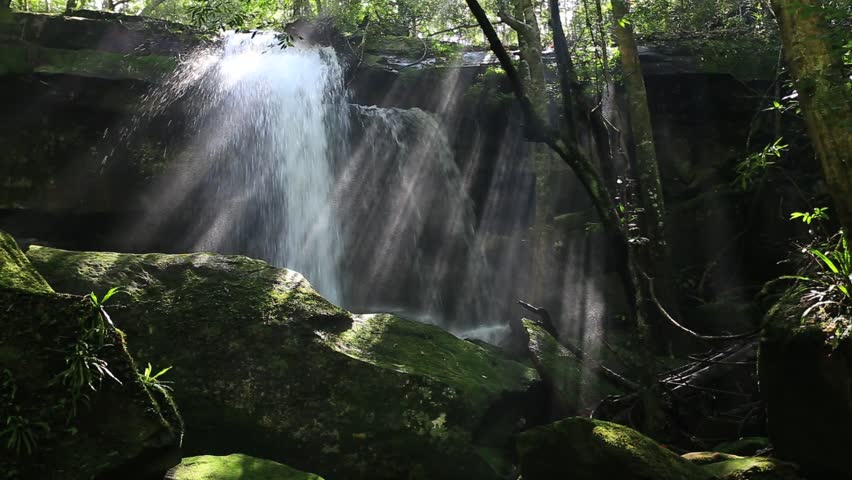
<point x="710" y="338"/>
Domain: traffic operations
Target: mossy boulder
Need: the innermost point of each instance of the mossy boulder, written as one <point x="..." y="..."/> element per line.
<point x="118" y="430"/>
<point x="266" y="366"/>
<point x="806" y="378"/>
<point x="753" y="468"/>
<point x="16" y="272"/>
<point x="574" y="387"/>
<point x="745" y="446"/>
<point x="585" y="449"/>
<point x="706" y="458"/>
<point x="235" y="467"/>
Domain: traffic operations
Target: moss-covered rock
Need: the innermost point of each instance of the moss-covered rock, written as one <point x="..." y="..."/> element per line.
<point x="745" y="446"/>
<point x="266" y="366"/>
<point x="705" y="458"/>
<point x="235" y="467"/>
<point x="15" y="269"/>
<point x="806" y="379"/>
<point x="121" y="429"/>
<point x="584" y="449"/>
<point x="574" y="387"/>
<point x="753" y="468"/>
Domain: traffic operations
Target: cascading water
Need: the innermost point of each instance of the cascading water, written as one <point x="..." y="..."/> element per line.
<point x="265" y="127"/>
<point x="275" y="164"/>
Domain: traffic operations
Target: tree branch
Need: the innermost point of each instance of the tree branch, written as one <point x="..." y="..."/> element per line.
<point x="709" y="338"/>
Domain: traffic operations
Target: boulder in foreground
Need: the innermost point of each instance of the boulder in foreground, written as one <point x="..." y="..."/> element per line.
<point x="584" y="449"/>
<point x="264" y="365"/>
<point x="235" y="467"/>
<point x="53" y="430"/>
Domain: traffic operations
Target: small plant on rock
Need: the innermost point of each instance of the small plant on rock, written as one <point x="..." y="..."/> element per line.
<point x="152" y="380"/>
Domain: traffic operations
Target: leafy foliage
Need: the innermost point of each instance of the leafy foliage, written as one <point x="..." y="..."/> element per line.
<point x="84" y="370"/>
<point x="151" y="379"/>
<point x="819" y="213"/>
<point x="755" y="166"/>
<point x="17" y="432"/>
<point x="823" y="287"/>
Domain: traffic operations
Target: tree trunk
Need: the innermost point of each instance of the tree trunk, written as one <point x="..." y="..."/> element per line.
<point x="5" y="4"/>
<point x="542" y="272"/>
<point x="655" y="254"/>
<point x="824" y="93"/>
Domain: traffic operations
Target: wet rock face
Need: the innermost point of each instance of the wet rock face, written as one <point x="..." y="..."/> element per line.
<point x="120" y="430"/>
<point x="101" y="31"/>
<point x="264" y="365"/>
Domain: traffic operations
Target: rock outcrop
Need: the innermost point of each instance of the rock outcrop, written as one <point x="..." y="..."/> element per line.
<point x="807" y="384"/>
<point x="266" y="366"/>
<point x="54" y="425"/>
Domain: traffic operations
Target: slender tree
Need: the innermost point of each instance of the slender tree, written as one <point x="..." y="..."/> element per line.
<point x="525" y="23"/>
<point x="652" y="220"/>
<point x="823" y="84"/>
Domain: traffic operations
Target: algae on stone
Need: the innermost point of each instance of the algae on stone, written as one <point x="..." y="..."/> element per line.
<point x="753" y="468"/>
<point x="235" y="467"/>
<point x="585" y="449"/>
<point x="413" y="348"/>
<point x="16" y="272"/>
<point x="744" y="446"/>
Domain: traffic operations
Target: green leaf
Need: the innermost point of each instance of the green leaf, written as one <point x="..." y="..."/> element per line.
<point x="827" y="261"/>
<point x="109" y="294"/>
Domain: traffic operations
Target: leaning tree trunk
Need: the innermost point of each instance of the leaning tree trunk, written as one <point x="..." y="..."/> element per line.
<point x="824" y="93"/>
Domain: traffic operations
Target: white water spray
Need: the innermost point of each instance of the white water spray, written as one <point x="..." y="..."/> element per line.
<point x="267" y="124"/>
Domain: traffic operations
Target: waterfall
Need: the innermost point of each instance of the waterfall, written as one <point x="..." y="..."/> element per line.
<point x="265" y="125"/>
<point x="272" y="162"/>
<point x="409" y="221"/>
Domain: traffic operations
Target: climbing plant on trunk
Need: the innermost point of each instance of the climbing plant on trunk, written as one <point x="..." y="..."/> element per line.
<point x="815" y="57"/>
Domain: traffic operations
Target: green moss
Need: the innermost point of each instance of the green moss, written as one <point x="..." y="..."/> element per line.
<point x="119" y="424"/>
<point x="409" y="47"/>
<point x="87" y="63"/>
<point x="426" y="350"/>
<point x="752" y="468"/>
<point x="585" y="449"/>
<point x="744" y="446"/>
<point x="13" y="60"/>
<point x="16" y="272"/>
<point x="236" y="467"/>
<point x="96" y="63"/>
<point x="704" y="458"/>
<point x="269" y="367"/>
